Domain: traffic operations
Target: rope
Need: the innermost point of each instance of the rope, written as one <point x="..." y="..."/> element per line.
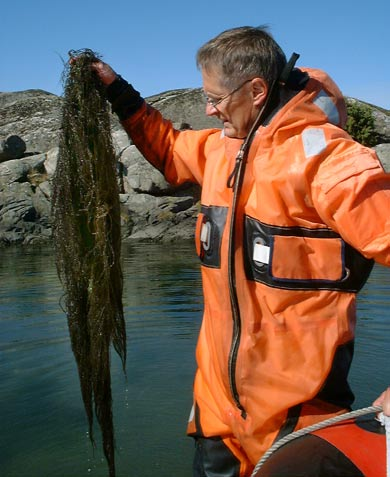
<point x="321" y="425"/>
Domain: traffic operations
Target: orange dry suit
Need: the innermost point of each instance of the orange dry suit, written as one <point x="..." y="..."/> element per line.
<point x="283" y="253"/>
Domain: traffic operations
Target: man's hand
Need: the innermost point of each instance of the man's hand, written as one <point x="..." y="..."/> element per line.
<point x="384" y="401"/>
<point x="104" y="72"/>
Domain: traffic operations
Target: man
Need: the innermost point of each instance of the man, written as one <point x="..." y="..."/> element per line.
<point x="293" y="213"/>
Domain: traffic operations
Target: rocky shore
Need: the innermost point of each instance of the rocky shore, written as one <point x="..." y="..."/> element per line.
<point x="151" y="209"/>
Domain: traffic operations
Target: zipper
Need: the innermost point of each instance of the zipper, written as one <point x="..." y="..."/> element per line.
<point x="235" y="182"/>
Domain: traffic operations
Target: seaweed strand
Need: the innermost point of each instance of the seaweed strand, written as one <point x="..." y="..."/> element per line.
<point x="86" y="232"/>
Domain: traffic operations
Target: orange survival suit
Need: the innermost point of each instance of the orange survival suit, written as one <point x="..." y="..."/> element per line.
<point x="283" y="251"/>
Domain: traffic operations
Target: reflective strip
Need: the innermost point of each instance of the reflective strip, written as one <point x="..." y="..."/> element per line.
<point x="324" y="102"/>
<point x="261" y="253"/>
<point x="205" y="235"/>
<point x="314" y="141"/>
<point x="192" y="414"/>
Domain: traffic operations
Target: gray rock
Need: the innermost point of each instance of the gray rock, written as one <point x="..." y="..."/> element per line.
<point x="159" y="218"/>
<point x="12" y="148"/>
<point x="383" y="152"/>
<point x="151" y="209"/>
<point x="33" y="115"/>
<point x="382" y="125"/>
<point x="51" y="161"/>
<point x="185" y="107"/>
<point x="120" y="140"/>
<point x="21" y="218"/>
<point x="139" y="176"/>
<point x="22" y="170"/>
<point x="13" y="171"/>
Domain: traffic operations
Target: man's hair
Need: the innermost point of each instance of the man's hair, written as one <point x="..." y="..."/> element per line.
<point x="242" y="53"/>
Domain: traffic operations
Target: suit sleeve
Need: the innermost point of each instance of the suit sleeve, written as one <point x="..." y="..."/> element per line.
<point x="352" y="195"/>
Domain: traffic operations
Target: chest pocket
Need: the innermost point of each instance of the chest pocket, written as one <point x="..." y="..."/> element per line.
<point x="301" y="258"/>
<point x="209" y="230"/>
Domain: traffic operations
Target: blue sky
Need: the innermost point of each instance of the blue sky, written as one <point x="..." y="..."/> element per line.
<point x="153" y="44"/>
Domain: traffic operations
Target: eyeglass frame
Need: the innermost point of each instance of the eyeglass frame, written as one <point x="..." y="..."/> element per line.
<point x="214" y="104"/>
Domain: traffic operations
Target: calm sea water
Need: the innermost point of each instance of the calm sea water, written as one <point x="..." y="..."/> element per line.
<point x="43" y="429"/>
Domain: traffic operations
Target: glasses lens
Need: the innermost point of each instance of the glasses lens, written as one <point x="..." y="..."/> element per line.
<point x="215" y="102"/>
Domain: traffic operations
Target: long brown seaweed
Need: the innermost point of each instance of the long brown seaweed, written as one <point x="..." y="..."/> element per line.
<point x="86" y="232"/>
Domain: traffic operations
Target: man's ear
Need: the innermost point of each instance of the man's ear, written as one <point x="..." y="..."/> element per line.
<point x="259" y="90"/>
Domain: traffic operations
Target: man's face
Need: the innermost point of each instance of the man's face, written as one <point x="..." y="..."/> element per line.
<point x="237" y="108"/>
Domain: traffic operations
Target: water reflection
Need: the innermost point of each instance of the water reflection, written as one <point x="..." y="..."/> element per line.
<point x="43" y="426"/>
<point x="370" y="373"/>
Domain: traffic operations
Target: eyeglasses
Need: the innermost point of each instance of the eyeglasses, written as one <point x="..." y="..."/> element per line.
<point x="214" y="103"/>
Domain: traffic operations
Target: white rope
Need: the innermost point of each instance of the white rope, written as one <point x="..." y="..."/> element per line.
<point x="385" y="421"/>
<point x="321" y="425"/>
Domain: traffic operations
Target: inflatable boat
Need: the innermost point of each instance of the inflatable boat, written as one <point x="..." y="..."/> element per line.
<point x="354" y="447"/>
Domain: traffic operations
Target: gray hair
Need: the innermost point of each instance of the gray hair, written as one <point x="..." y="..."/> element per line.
<point x="242" y="53"/>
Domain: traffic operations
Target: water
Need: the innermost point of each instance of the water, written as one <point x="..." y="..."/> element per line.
<point x="43" y="429"/>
